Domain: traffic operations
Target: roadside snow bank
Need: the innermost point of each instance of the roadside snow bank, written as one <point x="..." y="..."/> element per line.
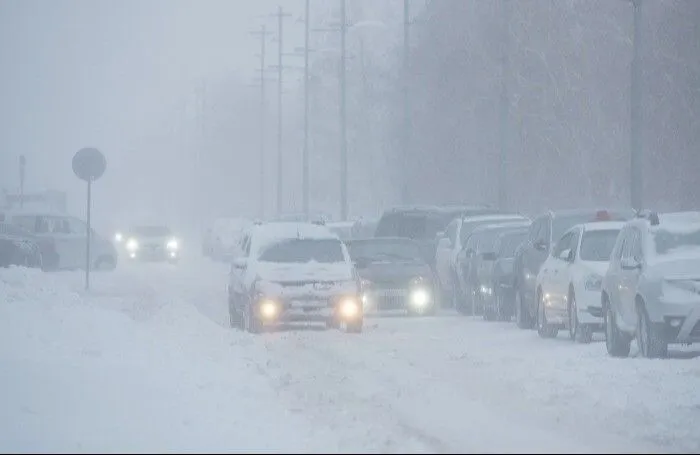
<point x="84" y="371"/>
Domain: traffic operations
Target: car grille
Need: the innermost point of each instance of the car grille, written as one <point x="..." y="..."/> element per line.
<point x="387" y="299"/>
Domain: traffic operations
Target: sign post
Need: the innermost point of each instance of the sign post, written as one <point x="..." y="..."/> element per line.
<point x="89" y="164"/>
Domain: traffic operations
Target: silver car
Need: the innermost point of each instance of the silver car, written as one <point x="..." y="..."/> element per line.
<point x="651" y="290"/>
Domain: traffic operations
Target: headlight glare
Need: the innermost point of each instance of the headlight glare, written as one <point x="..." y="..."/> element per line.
<point x="420" y="297"/>
<point x="349" y="308"/>
<point x="132" y="245"/>
<point x="172" y="244"/>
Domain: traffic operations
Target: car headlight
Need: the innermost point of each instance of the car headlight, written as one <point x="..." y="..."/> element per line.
<point x="172" y="245"/>
<point x="118" y="237"/>
<point x="486" y="290"/>
<point x="420" y="297"/>
<point x="268" y="308"/>
<point x="132" y="245"/>
<point x="349" y="308"/>
<point x="593" y="282"/>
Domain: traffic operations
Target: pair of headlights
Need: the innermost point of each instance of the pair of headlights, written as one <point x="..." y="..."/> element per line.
<point x="133" y="245"/>
<point x="419" y="293"/>
<point x="348" y="307"/>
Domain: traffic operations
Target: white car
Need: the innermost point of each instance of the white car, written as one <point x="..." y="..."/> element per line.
<point x="569" y="281"/>
<point x="293" y="272"/>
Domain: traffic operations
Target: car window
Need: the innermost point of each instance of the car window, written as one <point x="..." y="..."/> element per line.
<point x="451" y="231"/>
<point x="324" y="251"/>
<point x="509" y="243"/>
<point x="564" y="243"/>
<point x="598" y="245"/>
<point x="669" y="241"/>
<point x="545" y="232"/>
<point x="535" y="230"/>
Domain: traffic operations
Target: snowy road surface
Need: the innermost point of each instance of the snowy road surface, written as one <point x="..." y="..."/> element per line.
<point x="145" y="362"/>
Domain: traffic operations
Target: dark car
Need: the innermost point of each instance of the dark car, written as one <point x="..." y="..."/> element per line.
<point x="544" y="232"/>
<point x="498" y="280"/>
<point x="152" y="243"/>
<point x="394" y="275"/>
<point x="471" y="262"/>
<point x="423" y="223"/>
<point x="20" y="247"/>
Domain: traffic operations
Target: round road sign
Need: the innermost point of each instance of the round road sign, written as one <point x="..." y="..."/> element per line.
<point x="89" y="164"/>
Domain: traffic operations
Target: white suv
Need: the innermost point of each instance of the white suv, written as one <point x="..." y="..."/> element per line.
<point x="293" y="272"/>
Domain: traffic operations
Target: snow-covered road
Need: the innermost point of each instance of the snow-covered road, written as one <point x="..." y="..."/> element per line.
<point x="145" y="361"/>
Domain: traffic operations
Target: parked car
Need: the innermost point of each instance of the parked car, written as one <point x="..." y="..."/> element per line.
<point x="544" y="232"/>
<point x="499" y="302"/>
<point x="569" y="282"/>
<point x="394" y="276"/>
<point x="651" y="290"/>
<point x="21" y="247"/>
<point x="423" y="223"/>
<point x="293" y="272"/>
<point x="474" y="261"/>
<point x="69" y="236"/>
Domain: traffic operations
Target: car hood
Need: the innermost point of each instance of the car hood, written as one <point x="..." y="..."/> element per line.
<point x="391" y="271"/>
<point x="597" y="267"/>
<point x="298" y="273"/>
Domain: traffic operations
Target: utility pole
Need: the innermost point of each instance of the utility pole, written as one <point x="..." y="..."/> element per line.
<point x="280" y="15"/>
<point x="263" y="33"/>
<point x="406" y="106"/>
<point x="636" y="165"/>
<point x="343" y="118"/>
<point x="305" y="156"/>
<point x="504" y="109"/>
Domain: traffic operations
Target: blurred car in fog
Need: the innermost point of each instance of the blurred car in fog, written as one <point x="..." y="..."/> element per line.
<point x="21" y="248"/>
<point x="152" y="243"/>
<point x="394" y="275"/>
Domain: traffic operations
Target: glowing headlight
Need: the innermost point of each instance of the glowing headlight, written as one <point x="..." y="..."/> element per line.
<point x="132" y="245"/>
<point x="172" y="245"/>
<point x="486" y="290"/>
<point x="349" y="308"/>
<point x="420" y="297"/>
<point x="118" y="237"/>
<point x="593" y="282"/>
<point x="268" y="309"/>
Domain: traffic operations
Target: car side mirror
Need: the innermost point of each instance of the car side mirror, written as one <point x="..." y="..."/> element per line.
<point x="630" y="264"/>
<point x="540" y="245"/>
<point x="489" y="256"/>
<point x="239" y="263"/>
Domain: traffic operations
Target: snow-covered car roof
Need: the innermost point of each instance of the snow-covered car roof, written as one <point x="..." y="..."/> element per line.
<point x="602" y="225"/>
<point x="280" y="230"/>
<point x="496" y="217"/>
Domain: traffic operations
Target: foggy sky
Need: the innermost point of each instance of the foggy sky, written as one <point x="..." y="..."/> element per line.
<point x="110" y="74"/>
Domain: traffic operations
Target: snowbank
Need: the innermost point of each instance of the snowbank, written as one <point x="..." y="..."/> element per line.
<point x="141" y="371"/>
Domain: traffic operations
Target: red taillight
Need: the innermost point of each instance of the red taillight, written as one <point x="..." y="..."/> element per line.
<point x="602" y="215"/>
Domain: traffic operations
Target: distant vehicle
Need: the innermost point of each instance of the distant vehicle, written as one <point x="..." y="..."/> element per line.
<point x="569" y="282"/>
<point x="68" y="235"/>
<point x="19" y="247"/>
<point x="423" y="223"/>
<point x="152" y="243"/>
<point x="394" y="275"/>
<point x="293" y="272"/>
<point x="651" y="290"/>
<point x="498" y="303"/>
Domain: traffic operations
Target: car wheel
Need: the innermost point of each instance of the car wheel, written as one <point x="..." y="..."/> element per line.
<point x="650" y="340"/>
<point x="616" y="342"/>
<point x="522" y="317"/>
<point x="544" y="329"/>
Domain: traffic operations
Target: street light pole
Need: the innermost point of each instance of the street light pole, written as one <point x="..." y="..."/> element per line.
<point x="305" y="157"/>
<point x="636" y="168"/>
<point x="263" y="33"/>
<point x="406" y="106"/>
<point x="504" y="110"/>
<point x="343" y="118"/>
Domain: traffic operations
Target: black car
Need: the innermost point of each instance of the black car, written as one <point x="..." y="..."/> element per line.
<point x="394" y="275"/>
<point x="20" y="247"/>
<point x="423" y="223"/>
<point x="544" y="232"/>
<point x="498" y="301"/>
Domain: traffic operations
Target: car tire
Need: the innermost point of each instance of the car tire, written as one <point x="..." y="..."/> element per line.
<point x="616" y="342"/>
<point x="651" y="342"/>
<point x="544" y="329"/>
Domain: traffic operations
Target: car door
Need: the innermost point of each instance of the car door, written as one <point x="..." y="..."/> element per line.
<point x="632" y="253"/>
<point x="237" y="274"/>
<point x="561" y="277"/>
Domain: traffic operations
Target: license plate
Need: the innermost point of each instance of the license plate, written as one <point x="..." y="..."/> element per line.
<point x="391" y="293"/>
<point x="308" y="304"/>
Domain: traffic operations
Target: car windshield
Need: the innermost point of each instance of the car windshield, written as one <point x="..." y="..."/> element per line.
<point x="597" y="245"/>
<point x="151" y="231"/>
<point x="670" y="241"/>
<point x="468" y="226"/>
<point x="383" y="250"/>
<point x="488" y="237"/>
<point x="301" y="251"/>
<point x="413" y="225"/>
<point x="509" y="243"/>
